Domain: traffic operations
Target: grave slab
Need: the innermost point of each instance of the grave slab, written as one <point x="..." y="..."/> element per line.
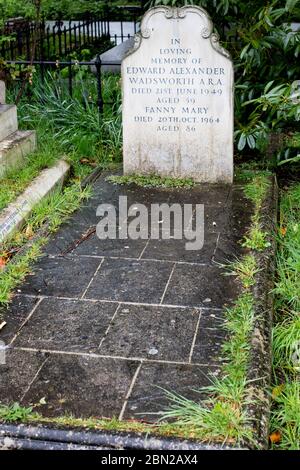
<point x="8" y="120"/>
<point x="2" y="92"/>
<point x="13" y="150"/>
<point x="102" y="330"/>
<point x="15" y="314"/>
<point x="200" y="286"/>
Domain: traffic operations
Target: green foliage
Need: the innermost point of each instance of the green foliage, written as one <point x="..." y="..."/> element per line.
<point x="245" y="269"/>
<point x="14" y="8"/>
<point x="65" y="9"/>
<point x="16" y="272"/>
<point x="152" y="181"/>
<point x="74" y="123"/>
<point x="14" y="412"/>
<point x="288" y="257"/>
<point x="265" y="53"/>
<point x="285" y="416"/>
<point x="256" y="239"/>
<point x="54" y="210"/>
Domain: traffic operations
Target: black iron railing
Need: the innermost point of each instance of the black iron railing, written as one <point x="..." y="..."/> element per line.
<point x="57" y="39"/>
<point x="95" y="68"/>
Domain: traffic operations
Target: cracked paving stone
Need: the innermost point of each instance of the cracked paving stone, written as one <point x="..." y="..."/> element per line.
<point x="64" y="240"/>
<point x="14" y="315"/>
<point x="62" y="277"/>
<point x="93" y="246"/>
<point x="66" y="325"/>
<point x="148" y="398"/>
<point x="82" y="386"/>
<point x="130" y="281"/>
<point x="151" y="332"/>
<point x="192" y="285"/>
<point x="17" y="373"/>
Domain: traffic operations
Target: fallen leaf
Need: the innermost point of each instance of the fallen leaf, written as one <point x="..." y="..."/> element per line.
<point x="2" y="263"/>
<point x="2" y="325"/>
<point x="29" y="231"/>
<point x="283" y="231"/>
<point x="275" y="437"/>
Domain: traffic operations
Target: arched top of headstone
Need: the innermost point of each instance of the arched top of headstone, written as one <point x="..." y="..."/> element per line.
<point x="205" y="25"/>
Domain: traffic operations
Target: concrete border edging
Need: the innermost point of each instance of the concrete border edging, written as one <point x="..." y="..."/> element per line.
<point x="14" y="216"/>
<point x="39" y="436"/>
<point x="260" y="365"/>
<point x="13" y="150"/>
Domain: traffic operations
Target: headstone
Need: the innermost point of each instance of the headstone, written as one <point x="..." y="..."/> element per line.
<point x="2" y="92"/>
<point x="112" y="58"/>
<point x="178" y="98"/>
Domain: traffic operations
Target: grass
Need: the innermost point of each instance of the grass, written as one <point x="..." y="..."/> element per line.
<point x="16" y="413"/>
<point x="245" y="269"/>
<point x="15" y="273"/>
<point x="285" y="416"/>
<point x="152" y="181"/>
<point x="72" y="125"/>
<point x="65" y="127"/>
<point x="16" y="181"/>
<point x="54" y="210"/>
<point x="255" y="190"/>
<point x="223" y="415"/>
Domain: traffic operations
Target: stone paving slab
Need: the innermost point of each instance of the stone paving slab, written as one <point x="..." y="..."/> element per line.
<point x="67" y="325"/>
<point x="148" y="397"/>
<point x="151" y="332"/>
<point x="100" y="327"/>
<point x="81" y="385"/>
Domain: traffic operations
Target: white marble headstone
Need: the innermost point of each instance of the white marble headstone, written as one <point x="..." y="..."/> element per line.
<point x="2" y="92"/>
<point x="178" y="98"/>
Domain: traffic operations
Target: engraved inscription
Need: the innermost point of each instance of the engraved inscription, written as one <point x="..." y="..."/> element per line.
<point x="187" y="79"/>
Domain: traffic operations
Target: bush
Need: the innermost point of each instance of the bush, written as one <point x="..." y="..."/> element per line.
<point x="265" y="53"/>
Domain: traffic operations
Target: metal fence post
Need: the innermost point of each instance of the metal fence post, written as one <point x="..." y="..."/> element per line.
<point x="70" y="79"/>
<point x="99" y="84"/>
